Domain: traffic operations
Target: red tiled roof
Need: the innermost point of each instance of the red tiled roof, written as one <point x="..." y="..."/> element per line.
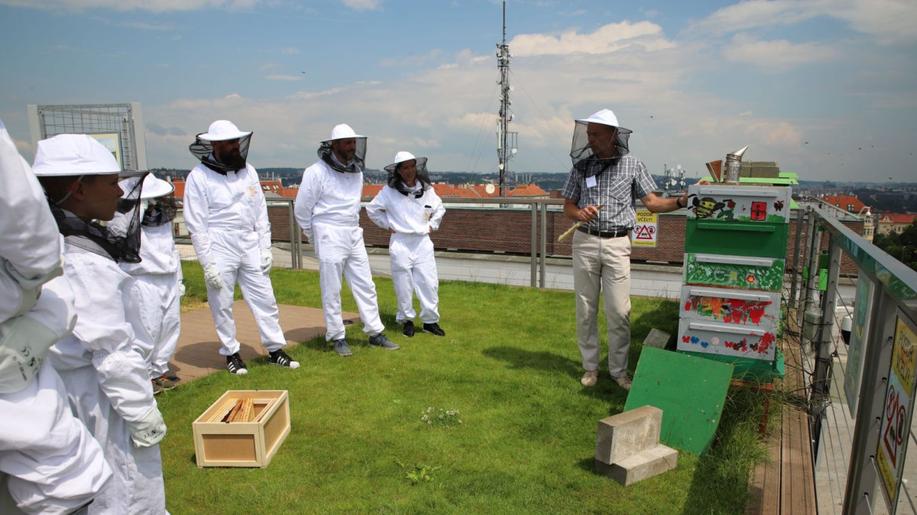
<point x="528" y="190"/>
<point x="897" y="218"/>
<point x="371" y="190"/>
<point x="842" y="201"/>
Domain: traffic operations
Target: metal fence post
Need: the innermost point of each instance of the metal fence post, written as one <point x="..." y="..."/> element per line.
<point x="796" y="275"/>
<point x="813" y="241"/>
<point x="533" y="243"/>
<point x="544" y="244"/>
<point x="821" y="382"/>
<point x="292" y="219"/>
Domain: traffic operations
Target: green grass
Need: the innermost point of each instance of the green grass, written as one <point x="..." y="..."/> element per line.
<point x="510" y="367"/>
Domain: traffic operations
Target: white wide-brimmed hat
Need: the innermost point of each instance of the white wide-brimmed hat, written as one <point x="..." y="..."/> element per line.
<point x="153" y="187"/>
<point x="223" y="130"/>
<point x="67" y="155"/>
<point x="403" y="156"/>
<point x="343" y="131"/>
<point x="604" y="117"/>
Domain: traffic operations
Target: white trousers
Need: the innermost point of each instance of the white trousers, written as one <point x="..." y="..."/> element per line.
<point x="50" y="461"/>
<point x="414" y="270"/>
<point x="136" y="486"/>
<point x="238" y="258"/>
<point x="341" y="251"/>
<point x="602" y="265"/>
<point x="160" y="314"/>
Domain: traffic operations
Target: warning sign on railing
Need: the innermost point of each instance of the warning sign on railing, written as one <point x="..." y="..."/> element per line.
<point x="644" y="234"/>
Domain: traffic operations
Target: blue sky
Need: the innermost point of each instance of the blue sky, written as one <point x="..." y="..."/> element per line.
<point x="827" y="88"/>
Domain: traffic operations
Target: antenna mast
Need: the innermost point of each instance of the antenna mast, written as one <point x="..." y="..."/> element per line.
<point x="506" y="140"/>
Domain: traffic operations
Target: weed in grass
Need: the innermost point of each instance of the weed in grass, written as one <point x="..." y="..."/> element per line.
<point x="440" y="417"/>
<point x="417" y="474"/>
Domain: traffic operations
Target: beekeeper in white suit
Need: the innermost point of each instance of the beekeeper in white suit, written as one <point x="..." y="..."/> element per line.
<point x="107" y="379"/>
<point x="409" y="207"/>
<point x="328" y="210"/>
<point x="226" y="214"/>
<point x="49" y="462"/>
<point x="158" y="279"/>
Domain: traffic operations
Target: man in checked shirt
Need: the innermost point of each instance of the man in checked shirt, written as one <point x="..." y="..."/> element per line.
<point x="601" y="191"/>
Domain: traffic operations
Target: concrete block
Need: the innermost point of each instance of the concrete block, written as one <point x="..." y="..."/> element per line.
<point x="647" y="463"/>
<point x="625" y="434"/>
<point x="657" y="339"/>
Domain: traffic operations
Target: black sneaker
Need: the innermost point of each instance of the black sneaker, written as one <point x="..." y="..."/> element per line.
<point x="235" y="365"/>
<point x="380" y="340"/>
<point x="408" y="328"/>
<point x="340" y="346"/>
<point x="434" y="328"/>
<point x="280" y="358"/>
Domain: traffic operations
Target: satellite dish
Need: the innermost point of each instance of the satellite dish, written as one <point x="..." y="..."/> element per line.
<point x="490" y="189"/>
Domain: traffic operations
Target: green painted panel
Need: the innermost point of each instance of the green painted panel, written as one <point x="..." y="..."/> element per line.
<point x="734" y="275"/>
<point x="690" y="392"/>
<point x="747" y="369"/>
<point x="737" y="238"/>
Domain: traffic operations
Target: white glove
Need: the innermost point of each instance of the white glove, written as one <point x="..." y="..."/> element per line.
<point x="23" y="344"/>
<point x="181" y="288"/>
<point x="266" y="261"/>
<point x="149" y="430"/>
<point x="212" y="277"/>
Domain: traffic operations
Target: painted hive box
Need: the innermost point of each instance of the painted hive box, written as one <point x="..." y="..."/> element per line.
<point x="750" y="273"/>
<point x="727" y="339"/>
<point x="731" y="307"/>
<point x="767" y="204"/>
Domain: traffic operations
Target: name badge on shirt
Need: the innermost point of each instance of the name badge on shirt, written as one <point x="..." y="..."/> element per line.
<point x="590" y="181"/>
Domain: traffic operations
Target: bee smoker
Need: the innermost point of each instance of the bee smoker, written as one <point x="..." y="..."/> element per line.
<point x="733" y="165"/>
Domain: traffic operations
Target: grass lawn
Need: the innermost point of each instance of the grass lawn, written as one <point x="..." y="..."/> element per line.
<point x="508" y="366"/>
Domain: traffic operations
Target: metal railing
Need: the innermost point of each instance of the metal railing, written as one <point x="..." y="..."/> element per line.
<point x="860" y="419"/>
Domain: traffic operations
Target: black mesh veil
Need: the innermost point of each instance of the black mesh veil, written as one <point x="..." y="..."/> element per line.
<point x="396" y="181"/>
<point x="203" y="150"/>
<point x="123" y="231"/>
<point x="581" y="151"/>
<point x="359" y="157"/>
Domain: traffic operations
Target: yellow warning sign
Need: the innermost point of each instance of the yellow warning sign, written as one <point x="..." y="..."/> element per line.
<point x="646" y="229"/>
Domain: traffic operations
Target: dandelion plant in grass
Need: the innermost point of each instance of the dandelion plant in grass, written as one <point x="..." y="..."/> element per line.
<point x="490" y="418"/>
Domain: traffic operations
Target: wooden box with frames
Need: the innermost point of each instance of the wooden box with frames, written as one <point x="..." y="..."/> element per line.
<point x="242" y="444"/>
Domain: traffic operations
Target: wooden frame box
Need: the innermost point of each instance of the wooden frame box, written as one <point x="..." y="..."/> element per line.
<point x="242" y="444"/>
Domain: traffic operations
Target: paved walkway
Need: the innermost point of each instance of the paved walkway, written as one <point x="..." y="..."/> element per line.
<point x="197" y="353"/>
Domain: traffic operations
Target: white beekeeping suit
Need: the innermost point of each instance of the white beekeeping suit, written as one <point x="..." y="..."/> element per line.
<point x="409" y="207"/>
<point x="226" y="214"/>
<point x="106" y="378"/>
<point x="49" y="462"/>
<point x="328" y="210"/>
<point x="158" y="278"/>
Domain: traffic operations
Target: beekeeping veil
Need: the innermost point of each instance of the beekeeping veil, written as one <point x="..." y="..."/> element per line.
<point x="396" y="179"/>
<point x="222" y="130"/>
<point x="356" y="163"/>
<point x="582" y="153"/>
<point x="79" y="155"/>
<point x="157" y="205"/>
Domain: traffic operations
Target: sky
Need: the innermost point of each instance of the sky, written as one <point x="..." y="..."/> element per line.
<point x="826" y="88"/>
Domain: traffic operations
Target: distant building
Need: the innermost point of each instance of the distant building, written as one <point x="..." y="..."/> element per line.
<point x="848" y="203"/>
<point x="894" y="222"/>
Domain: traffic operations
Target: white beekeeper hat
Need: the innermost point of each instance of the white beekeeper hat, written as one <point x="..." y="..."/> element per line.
<point x="67" y="155"/>
<point x="223" y="130"/>
<point x="153" y="187"/>
<point x="343" y="131"/>
<point x="604" y="117"/>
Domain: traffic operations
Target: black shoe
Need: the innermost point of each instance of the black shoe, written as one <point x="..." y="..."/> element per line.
<point x="278" y="357"/>
<point x="235" y="365"/>
<point x="408" y="328"/>
<point x="380" y="340"/>
<point x="340" y="346"/>
<point x="434" y="328"/>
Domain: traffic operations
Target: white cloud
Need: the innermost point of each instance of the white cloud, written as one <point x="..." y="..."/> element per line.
<point x="282" y="77"/>
<point x="363" y="5"/>
<point x="889" y="21"/>
<point x="132" y="5"/>
<point x="289" y="50"/>
<point x="606" y="39"/>
<point x="776" y="55"/>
